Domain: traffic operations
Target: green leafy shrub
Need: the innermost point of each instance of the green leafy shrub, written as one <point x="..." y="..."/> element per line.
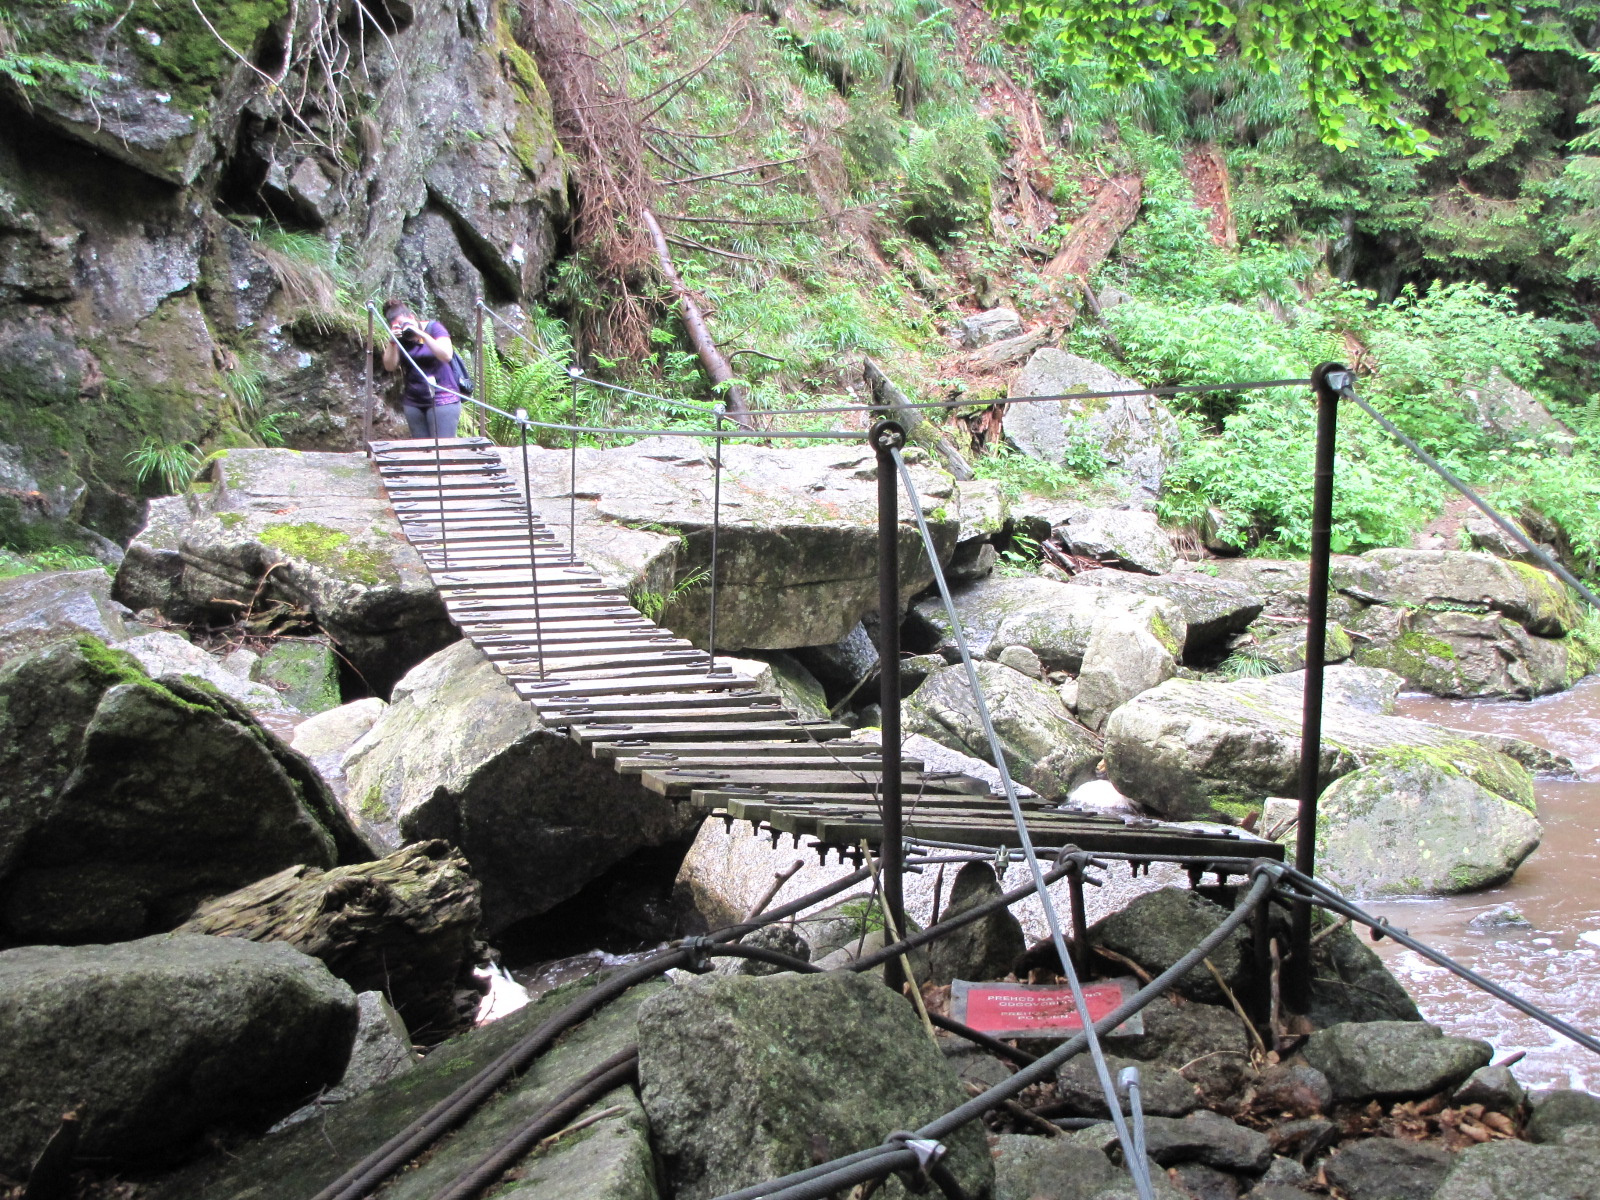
<point x="950" y="170"/>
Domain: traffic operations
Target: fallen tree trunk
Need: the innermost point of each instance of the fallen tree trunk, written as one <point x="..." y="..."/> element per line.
<point x="405" y="925"/>
<point x="919" y="429"/>
<point x="1093" y="235"/>
<point x="714" y="362"/>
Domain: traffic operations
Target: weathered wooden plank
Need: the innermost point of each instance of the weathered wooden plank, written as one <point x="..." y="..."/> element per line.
<point x="676" y="681"/>
<point x="688" y="756"/>
<point x="705" y="731"/>
<point x="816" y="778"/>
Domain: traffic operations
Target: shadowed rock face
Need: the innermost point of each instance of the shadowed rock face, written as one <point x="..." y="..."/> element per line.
<point x="797" y="550"/>
<point x="459" y="755"/>
<point x="609" y="1160"/>
<point x="160" y="1039"/>
<point x="128" y="800"/>
<point x="116" y="265"/>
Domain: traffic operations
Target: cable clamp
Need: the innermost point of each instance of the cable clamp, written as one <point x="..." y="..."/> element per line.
<point x="928" y="1152"/>
<point x="699" y="959"/>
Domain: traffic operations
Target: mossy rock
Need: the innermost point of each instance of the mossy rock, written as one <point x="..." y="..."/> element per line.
<point x="133" y="799"/>
<point x="306" y="672"/>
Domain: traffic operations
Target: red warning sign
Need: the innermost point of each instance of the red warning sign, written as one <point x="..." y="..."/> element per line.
<point x="1017" y="1010"/>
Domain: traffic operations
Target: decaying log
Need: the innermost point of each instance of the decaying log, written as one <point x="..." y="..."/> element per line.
<point x="716" y="365"/>
<point x="1009" y="351"/>
<point x="919" y="430"/>
<point x="1093" y="235"/>
<point x="405" y="925"/>
<point x="1207" y="172"/>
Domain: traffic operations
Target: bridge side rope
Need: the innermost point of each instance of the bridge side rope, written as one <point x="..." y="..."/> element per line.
<point x="1347" y="392"/>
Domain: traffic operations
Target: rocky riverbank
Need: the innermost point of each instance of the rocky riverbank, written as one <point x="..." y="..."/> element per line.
<point x="355" y="837"/>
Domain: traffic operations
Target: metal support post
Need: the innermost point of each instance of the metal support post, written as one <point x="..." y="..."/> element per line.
<point x="716" y="530"/>
<point x="886" y="438"/>
<point x="366" y="412"/>
<point x="1326" y="380"/>
<point x="572" y="472"/>
<point x="438" y="470"/>
<point x="533" y="568"/>
<point x="1080" y="917"/>
<point x="477" y="353"/>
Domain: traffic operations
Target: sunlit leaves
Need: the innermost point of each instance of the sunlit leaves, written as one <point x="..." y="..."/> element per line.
<point x="1354" y="50"/>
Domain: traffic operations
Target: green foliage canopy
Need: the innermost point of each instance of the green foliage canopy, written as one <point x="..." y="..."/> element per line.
<point x="1355" y="52"/>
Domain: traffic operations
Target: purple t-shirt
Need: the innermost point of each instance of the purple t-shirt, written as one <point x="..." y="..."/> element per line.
<point x="418" y="392"/>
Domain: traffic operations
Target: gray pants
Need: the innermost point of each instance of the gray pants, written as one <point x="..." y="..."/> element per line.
<point x="436" y="421"/>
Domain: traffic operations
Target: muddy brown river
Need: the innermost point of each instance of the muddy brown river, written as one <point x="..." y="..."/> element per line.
<point x="1556" y="962"/>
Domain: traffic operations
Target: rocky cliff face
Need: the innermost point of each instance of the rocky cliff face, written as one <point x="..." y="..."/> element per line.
<point x="187" y="242"/>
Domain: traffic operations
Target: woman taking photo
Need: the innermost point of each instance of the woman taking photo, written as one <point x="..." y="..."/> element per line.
<point x="431" y="398"/>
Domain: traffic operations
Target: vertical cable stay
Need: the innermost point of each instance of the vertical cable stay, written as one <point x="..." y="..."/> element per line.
<point x="533" y="568"/>
<point x="716" y="529"/>
<point x="574" y="374"/>
<point x="1137" y="1167"/>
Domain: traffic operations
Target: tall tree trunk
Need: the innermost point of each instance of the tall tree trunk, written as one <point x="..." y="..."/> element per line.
<point x="714" y="362"/>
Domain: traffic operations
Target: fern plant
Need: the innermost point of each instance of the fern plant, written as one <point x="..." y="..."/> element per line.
<point x="171" y="465"/>
<point x="535" y="379"/>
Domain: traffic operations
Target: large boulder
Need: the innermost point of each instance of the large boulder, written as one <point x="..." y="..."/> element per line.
<point x="989" y="326"/>
<point x="1054" y="620"/>
<point x="746" y="1079"/>
<point x="1125" y="657"/>
<point x="156" y="1041"/>
<point x="308" y="530"/>
<point x="1508" y="411"/>
<point x="1464" y="624"/>
<point x="1213" y="609"/>
<point x="1136" y="436"/>
<point x="52" y="606"/>
<point x="609" y="1159"/>
<point x="1447" y="652"/>
<point x="459" y="755"/>
<point x="797" y="548"/>
<point x="162" y="653"/>
<point x="327" y="737"/>
<point x="1186" y="748"/>
<point x="1512" y="1170"/>
<point x="1413" y="825"/>
<point x="128" y="800"/>
<point x="1044" y="746"/>
<point x="1393" y="1060"/>
<point x="1125" y="539"/>
<point x="1535" y="599"/>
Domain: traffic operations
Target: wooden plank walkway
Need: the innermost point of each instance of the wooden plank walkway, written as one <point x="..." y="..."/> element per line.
<point x="657" y="708"/>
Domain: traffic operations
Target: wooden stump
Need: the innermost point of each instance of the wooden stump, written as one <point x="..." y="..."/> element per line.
<point x="405" y="925"/>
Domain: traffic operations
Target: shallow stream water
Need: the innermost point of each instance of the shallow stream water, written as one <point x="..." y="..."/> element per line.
<point x="1556" y="963"/>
